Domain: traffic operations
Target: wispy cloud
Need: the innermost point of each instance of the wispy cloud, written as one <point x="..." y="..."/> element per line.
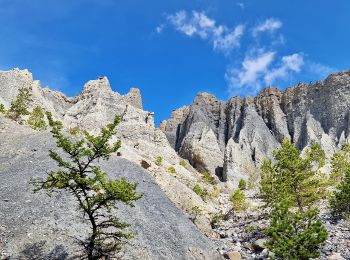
<point x="259" y="69"/>
<point x="253" y="68"/>
<point x="319" y="69"/>
<point x="261" y="65"/>
<point x="160" y="28"/>
<point x="199" y="24"/>
<point x="241" y="5"/>
<point x="289" y="64"/>
<point x="269" y="25"/>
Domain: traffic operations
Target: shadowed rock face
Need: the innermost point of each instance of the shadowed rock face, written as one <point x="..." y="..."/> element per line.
<point x="237" y="135"/>
<point x="36" y="226"/>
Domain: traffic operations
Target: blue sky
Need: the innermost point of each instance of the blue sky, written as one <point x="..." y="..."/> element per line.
<point x="172" y="50"/>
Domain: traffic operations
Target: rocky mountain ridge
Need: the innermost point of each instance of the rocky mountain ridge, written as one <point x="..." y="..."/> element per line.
<point x="231" y="139"/>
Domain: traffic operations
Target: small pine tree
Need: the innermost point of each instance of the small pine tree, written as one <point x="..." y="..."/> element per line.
<point x="95" y="194"/>
<point x="293" y="178"/>
<point x="295" y="235"/>
<point x="19" y="107"/>
<point x="36" y="119"/>
<point x="238" y="201"/>
<point x="340" y="200"/>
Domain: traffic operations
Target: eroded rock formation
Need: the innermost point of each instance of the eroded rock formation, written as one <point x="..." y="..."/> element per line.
<point x="231" y="139"/>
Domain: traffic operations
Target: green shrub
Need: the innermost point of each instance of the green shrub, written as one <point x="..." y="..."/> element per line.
<point x="183" y="164"/>
<point x="159" y="161"/>
<point x="195" y="212"/>
<point x="242" y="184"/>
<point x="36" y="119"/>
<point x="172" y="170"/>
<point x="2" y="108"/>
<point x="238" y="201"/>
<point x="294" y="234"/>
<point x="340" y="200"/>
<point x="215" y="193"/>
<point x="207" y="178"/>
<point x="215" y="219"/>
<point x="250" y="228"/>
<point x="203" y="193"/>
<point x="74" y="130"/>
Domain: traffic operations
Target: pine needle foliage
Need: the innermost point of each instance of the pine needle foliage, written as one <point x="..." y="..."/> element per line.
<point x="290" y="188"/>
<point x="95" y="193"/>
<point x="295" y="235"/>
<point x="294" y="178"/>
<point x="19" y="106"/>
<point x="37" y="119"/>
<point x="340" y="200"/>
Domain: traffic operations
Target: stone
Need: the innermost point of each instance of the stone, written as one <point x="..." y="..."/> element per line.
<point x="259" y="244"/>
<point x="233" y="255"/>
<point x="335" y="256"/>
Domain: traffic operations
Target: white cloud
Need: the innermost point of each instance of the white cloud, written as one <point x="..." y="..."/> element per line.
<point x="230" y="40"/>
<point x="259" y="69"/>
<point x="249" y="75"/>
<point x="290" y="63"/>
<point x="198" y="24"/>
<point x="319" y="69"/>
<point x="269" y="25"/>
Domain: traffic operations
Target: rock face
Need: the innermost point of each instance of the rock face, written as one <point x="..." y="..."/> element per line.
<point x="36" y="226"/>
<point x="142" y="143"/>
<point x="231" y="139"/>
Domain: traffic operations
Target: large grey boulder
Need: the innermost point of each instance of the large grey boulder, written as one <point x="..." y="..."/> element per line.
<point x="36" y="226"/>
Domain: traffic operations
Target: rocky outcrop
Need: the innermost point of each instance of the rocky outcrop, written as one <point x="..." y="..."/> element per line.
<point x="142" y="143"/>
<point x="36" y="226"/>
<point x="231" y="139"/>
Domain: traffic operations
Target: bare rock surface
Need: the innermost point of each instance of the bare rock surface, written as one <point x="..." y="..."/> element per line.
<point x="35" y="226"/>
<point x="231" y="139"/>
<point x="96" y="105"/>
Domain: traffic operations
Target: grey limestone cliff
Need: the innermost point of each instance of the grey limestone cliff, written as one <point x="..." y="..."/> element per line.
<point x="231" y="139"/>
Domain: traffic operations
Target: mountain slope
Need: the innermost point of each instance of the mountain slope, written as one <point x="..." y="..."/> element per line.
<point x="35" y="226"/>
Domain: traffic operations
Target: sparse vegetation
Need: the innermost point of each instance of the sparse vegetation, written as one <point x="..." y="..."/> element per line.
<point x="2" y="108"/>
<point x="159" y="161"/>
<point x="19" y="107"/>
<point x="238" y="201"/>
<point x="215" y="193"/>
<point x="95" y="193"/>
<point x="37" y="119"/>
<point x="195" y="212"/>
<point x="172" y="170"/>
<point x="215" y="219"/>
<point x="202" y="192"/>
<point x="74" y="130"/>
<point x="242" y="185"/>
<point x="183" y="163"/>
<point x="207" y="178"/>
